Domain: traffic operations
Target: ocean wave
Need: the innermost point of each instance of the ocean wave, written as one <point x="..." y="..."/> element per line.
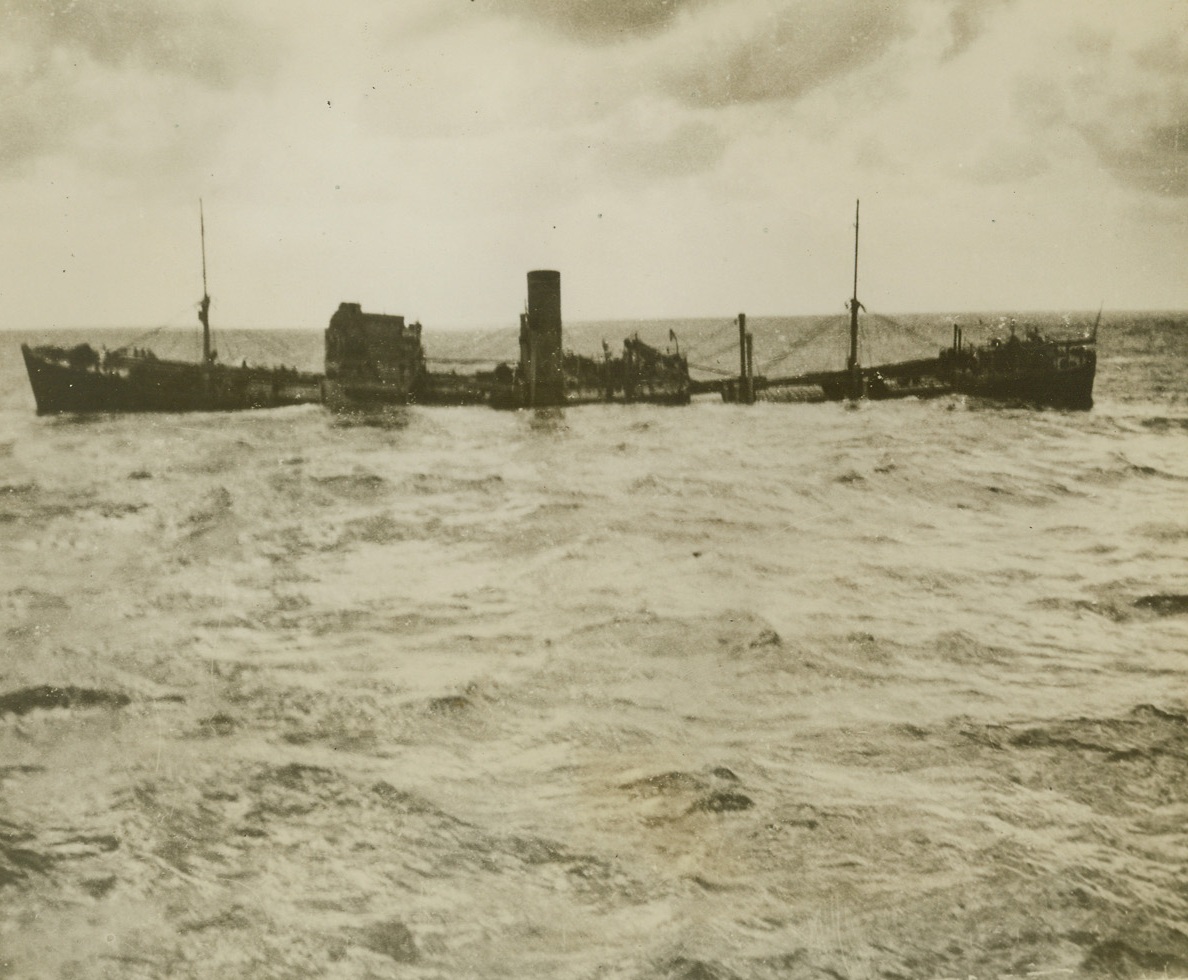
<point x="718" y="691"/>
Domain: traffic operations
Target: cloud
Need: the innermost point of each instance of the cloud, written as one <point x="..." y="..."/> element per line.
<point x="758" y="52"/>
<point x="96" y="75"/>
<point x="1156" y="161"/>
<point x="208" y="42"/>
<point x="598" y="21"/>
<point x="1127" y="96"/>
<point x="967" y="21"/>
<point x="1015" y="90"/>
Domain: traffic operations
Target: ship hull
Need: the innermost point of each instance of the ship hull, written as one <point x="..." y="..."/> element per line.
<point x="153" y="385"/>
<point x="1034" y="371"/>
<point x="575" y="395"/>
<point x="339" y="393"/>
<point x="1049" y="375"/>
<point x="436" y="390"/>
<point x="454" y="390"/>
<point x="1072" y="389"/>
<point x="659" y="393"/>
<point x="880" y="386"/>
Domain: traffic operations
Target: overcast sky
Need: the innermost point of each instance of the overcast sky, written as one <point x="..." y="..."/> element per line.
<point x="669" y="157"/>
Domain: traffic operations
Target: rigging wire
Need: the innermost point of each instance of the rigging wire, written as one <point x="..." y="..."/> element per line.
<point x="463" y="360"/>
<point x="798" y="344"/>
<point x="695" y="350"/>
<point x="733" y="345"/>
<point x="713" y="370"/>
<point x="904" y="328"/>
<point x="478" y="346"/>
<point x="222" y="344"/>
<point x="272" y="345"/>
<point x="151" y="332"/>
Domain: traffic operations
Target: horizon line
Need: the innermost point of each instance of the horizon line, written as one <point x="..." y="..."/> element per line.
<point x="725" y="317"/>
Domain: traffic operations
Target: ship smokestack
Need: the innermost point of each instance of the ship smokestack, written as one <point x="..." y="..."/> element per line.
<point x="543" y="362"/>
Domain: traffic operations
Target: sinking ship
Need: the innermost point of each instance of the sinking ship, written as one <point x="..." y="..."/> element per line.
<point x="547" y="375"/>
<point x="371" y="358"/>
<point x="1032" y="369"/>
<point x="82" y="379"/>
<point x="1027" y="369"/>
<point x="379" y="359"/>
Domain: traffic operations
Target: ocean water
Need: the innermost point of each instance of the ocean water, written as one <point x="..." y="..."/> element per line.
<point x="893" y="691"/>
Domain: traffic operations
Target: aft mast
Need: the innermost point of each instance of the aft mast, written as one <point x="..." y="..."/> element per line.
<point x="855" y="373"/>
<point x="204" y="307"/>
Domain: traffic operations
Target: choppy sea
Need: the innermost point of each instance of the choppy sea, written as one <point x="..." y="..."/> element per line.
<point x="891" y="691"/>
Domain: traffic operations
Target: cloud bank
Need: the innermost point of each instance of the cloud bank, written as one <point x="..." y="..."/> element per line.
<point x="598" y="21"/>
<point x="380" y="143"/>
<point x="92" y="77"/>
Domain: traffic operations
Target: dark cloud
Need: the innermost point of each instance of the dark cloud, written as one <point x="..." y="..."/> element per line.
<point x="41" y="104"/>
<point x="1133" y="110"/>
<point x="598" y="21"/>
<point x="37" y="123"/>
<point x="1155" y="160"/>
<point x="1167" y="55"/>
<point x="968" y="20"/>
<point x="62" y="61"/>
<point x="22" y="139"/>
<point x="207" y="42"/>
<point x="795" y="48"/>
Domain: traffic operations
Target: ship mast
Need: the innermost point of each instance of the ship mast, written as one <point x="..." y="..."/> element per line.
<point x="852" y="362"/>
<point x="204" y="307"/>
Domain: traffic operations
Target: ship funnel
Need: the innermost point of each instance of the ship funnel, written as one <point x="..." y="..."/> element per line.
<point x="540" y="350"/>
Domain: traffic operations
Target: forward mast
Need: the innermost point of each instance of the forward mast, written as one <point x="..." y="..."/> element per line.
<point x="204" y="307"/>
<point x="852" y="366"/>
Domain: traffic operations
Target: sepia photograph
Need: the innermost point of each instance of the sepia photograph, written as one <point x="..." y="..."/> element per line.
<point x="593" y="490"/>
